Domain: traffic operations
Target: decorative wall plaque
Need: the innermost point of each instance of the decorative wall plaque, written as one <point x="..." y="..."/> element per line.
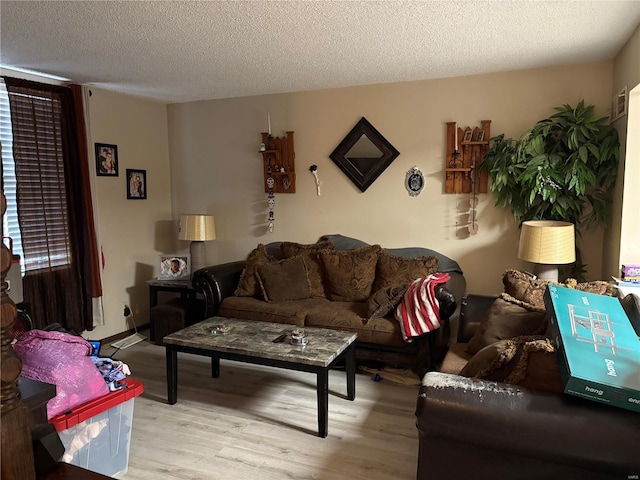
<point x="414" y="181"/>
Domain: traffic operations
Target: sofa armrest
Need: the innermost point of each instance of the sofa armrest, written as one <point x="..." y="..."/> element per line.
<point x="555" y="427"/>
<point x="216" y="283"/>
<point x="472" y="310"/>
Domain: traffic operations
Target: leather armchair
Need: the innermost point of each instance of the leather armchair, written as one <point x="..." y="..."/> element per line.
<point x="479" y="429"/>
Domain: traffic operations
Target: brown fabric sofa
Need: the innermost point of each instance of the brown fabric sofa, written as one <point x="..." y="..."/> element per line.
<point x="506" y="417"/>
<point x="340" y="283"/>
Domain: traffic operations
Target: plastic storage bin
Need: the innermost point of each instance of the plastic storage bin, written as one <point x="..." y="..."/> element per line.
<point x="97" y="434"/>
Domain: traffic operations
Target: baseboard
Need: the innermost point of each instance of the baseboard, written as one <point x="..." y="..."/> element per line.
<point x="125" y="334"/>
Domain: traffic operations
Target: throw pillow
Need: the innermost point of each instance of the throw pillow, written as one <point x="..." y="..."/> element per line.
<point x="284" y="280"/>
<point x="394" y="269"/>
<point x="248" y="286"/>
<point x="310" y="255"/>
<point x="597" y="286"/>
<point x="349" y="274"/>
<point x="385" y="300"/>
<point x="525" y="288"/>
<point x="529" y="361"/>
<point x="504" y="320"/>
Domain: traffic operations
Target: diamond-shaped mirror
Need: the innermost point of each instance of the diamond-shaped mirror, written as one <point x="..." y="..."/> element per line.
<point x="364" y="154"/>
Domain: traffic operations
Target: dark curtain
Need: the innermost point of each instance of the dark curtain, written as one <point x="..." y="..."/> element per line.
<point x="53" y="196"/>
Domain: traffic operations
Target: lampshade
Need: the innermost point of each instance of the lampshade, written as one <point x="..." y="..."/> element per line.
<point x="547" y="241"/>
<point x="197" y="227"/>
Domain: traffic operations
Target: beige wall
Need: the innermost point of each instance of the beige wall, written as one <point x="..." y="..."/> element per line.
<point x="621" y="239"/>
<point x="131" y="232"/>
<point x="216" y="167"/>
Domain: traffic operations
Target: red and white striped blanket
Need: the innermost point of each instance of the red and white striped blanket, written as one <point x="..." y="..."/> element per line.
<point x="419" y="311"/>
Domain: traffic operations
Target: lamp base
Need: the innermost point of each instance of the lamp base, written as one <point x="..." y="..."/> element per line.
<point x="198" y="255"/>
<point x="546" y="271"/>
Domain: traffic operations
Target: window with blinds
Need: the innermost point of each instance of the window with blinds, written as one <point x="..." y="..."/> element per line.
<point x="34" y="169"/>
<point x="10" y="226"/>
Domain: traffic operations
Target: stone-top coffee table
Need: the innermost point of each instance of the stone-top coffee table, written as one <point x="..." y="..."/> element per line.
<point x="252" y="342"/>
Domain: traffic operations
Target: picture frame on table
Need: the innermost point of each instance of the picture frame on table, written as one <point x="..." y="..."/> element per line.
<point x="175" y="266"/>
<point x="468" y="136"/>
<point x="480" y="136"/>
<point x="106" y="160"/>
<point x="136" y="184"/>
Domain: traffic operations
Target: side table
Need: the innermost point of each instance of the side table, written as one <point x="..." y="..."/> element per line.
<point x="173" y="315"/>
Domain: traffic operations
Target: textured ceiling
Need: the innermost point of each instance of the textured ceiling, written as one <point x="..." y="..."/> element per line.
<point x="180" y="51"/>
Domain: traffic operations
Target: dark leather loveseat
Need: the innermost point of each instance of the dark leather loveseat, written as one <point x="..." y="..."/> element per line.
<point x="480" y="429"/>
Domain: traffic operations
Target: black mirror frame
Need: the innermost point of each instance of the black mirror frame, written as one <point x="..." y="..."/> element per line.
<point x="389" y="154"/>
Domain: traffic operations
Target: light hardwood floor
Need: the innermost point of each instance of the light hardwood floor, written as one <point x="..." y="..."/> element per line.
<point x="256" y="423"/>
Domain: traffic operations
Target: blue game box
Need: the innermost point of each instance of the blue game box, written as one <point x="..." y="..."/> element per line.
<point x="598" y="349"/>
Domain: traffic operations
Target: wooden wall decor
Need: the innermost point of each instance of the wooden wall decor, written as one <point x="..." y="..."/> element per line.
<point x="465" y="153"/>
<point x="279" y="155"/>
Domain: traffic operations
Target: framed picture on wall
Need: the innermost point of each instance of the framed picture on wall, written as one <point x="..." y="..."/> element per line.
<point x="619" y="105"/>
<point x="136" y="184"/>
<point x="106" y="160"/>
<point x="174" y="266"/>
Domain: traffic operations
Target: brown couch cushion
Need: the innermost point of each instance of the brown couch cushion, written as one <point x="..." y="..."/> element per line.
<point x="505" y="320"/>
<point x="248" y="286"/>
<point x="393" y="269"/>
<point x="248" y="308"/>
<point x="348" y="316"/>
<point x="349" y="274"/>
<point x="385" y="300"/>
<point x="311" y="260"/>
<point x="284" y="280"/>
<point x="529" y="361"/>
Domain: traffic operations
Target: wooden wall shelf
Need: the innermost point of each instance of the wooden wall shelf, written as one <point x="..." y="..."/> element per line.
<point x="461" y="170"/>
<point x="279" y="154"/>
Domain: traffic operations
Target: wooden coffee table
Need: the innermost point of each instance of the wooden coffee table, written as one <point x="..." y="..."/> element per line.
<point x="252" y="342"/>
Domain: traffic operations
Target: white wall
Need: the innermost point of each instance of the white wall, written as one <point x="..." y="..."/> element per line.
<point x="621" y="239"/>
<point x="131" y="232"/>
<point x="216" y="167"/>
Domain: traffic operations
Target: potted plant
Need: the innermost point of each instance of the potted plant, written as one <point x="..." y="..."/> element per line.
<point x="563" y="168"/>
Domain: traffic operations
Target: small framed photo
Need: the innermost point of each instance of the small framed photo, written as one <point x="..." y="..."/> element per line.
<point x="468" y="136"/>
<point x="106" y="160"/>
<point x="174" y="266"/>
<point x="480" y="136"/>
<point x="136" y="184"/>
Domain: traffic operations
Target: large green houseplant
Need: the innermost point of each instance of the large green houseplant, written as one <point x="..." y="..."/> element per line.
<point x="561" y="169"/>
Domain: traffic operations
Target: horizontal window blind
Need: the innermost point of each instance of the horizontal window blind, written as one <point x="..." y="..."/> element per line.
<point x="10" y="225"/>
<point x="41" y="196"/>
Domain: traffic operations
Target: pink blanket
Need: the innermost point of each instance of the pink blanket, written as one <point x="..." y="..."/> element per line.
<point x="419" y="311"/>
<point x="62" y="360"/>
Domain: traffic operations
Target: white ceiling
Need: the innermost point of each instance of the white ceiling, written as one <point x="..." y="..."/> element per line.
<point x="179" y="51"/>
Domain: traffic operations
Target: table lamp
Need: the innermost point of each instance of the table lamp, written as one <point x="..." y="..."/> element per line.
<point x="547" y="243"/>
<point x="199" y="229"/>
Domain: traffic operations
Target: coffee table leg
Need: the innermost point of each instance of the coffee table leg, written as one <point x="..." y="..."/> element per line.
<point x="323" y="402"/>
<point x="215" y="367"/>
<point x="172" y="374"/>
<point x="351" y="372"/>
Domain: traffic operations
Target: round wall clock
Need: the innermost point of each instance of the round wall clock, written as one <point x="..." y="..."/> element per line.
<point x="414" y="181"/>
